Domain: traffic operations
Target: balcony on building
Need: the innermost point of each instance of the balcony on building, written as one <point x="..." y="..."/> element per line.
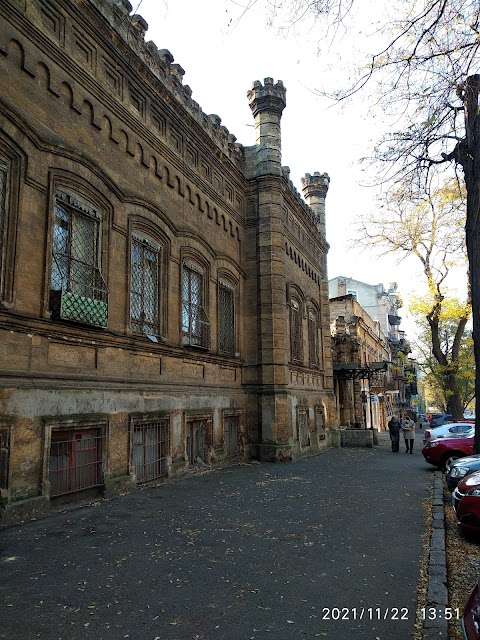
<point x="394" y="320"/>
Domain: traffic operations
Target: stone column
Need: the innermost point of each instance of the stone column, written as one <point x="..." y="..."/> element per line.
<point x="267" y="184"/>
<point x="267" y="103"/>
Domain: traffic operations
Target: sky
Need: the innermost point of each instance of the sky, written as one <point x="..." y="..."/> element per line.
<point x="224" y="48"/>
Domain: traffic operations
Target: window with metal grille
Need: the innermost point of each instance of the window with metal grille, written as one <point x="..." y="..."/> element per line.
<point x="199" y="438"/>
<point x="75" y="460"/>
<point x="303" y="432"/>
<point x="312" y="339"/>
<point x="3" y="210"/>
<point x="150" y="449"/>
<point x="144" y="286"/>
<point x="226" y="314"/>
<point x="295" y="331"/>
<point x="78" y="290"/>
<point x="231" y="435"/>
<point x="195" y="323"/>
<point x="4" y="457"/>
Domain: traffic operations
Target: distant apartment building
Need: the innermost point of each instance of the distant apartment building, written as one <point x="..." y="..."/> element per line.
<point x="382" y="307"/>
<point x="361" y="370"/>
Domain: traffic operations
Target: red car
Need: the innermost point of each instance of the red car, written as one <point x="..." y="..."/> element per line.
<point x="466" y="502"/>
<point x="442" y="452"/>
<point x="471" y="615"/>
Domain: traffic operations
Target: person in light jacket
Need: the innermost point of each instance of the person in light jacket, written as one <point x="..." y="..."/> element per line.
<point x="408" y="428"/>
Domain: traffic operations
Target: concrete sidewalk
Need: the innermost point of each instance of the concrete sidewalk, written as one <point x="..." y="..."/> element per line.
<point x="327" y="547"/>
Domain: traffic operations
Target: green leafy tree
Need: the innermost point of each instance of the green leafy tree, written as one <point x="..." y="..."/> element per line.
<point x="458" y="355"/>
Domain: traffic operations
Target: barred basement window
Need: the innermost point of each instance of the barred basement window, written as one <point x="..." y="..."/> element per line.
<point x="231" y="435"/>
<point x="295" y="331"/>
<point x="150" y="449"/>
<point x="78" y="290"/>
<point x="226" y="313"/>
<point x="195" y="322"/>
<point x="4" y="457"/>
<point x="144" y="286"/>
<point x="303" y="433"/>
<point x="199" y="438"/>
<point x="312" y="339"/>
<point x="319" y="423"/>
<point x="75" y="460"/>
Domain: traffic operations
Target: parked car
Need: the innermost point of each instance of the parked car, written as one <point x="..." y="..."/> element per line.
<point x="466" y="502"/>
<point x="471" y="615"/>
<point x="448" y="430"/>
<point x="443" y="451"/>
<point x="440" y="418"/>
<point x="461" y="468"/>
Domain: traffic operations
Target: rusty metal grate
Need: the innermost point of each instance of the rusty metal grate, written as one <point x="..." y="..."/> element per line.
<point x="78" y="290"/>
<point x="226" y="319"/>
<point x="195" y="323"/>
<point x="75" y="461"/>
<point x="144" y="287"/>
<point x="150" y="449"/>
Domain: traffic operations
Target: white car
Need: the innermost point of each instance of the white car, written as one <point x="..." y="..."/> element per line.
<point x="449" y="430"/>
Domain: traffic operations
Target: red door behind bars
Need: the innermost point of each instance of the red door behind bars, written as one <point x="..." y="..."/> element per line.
<point x="75" y="461"/>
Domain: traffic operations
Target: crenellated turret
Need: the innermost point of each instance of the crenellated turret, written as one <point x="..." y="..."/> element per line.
<point x="267" y="103"/>
<point x="315" y="191"/>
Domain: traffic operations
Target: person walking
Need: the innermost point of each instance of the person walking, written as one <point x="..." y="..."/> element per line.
<point x="394" y="429"/>
<point x="408" y="428"/>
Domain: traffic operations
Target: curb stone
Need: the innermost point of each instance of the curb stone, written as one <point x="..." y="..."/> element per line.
<point x="437" y="594"/>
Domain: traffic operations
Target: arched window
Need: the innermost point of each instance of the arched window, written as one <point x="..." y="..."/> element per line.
<point x="226" y="317"/>
<point x="145" y="286"/>
<point x="195" y="322"/>
<point x="312" y="338"/>
<point x="295" y="330"/>
<point x="78" y="290"/>
<point x="3" y="215"/>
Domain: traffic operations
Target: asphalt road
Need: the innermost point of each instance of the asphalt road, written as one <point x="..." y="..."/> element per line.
<point x="328" y="547"/>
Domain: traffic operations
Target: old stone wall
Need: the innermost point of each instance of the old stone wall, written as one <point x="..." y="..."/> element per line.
<point x="147" y="267"/>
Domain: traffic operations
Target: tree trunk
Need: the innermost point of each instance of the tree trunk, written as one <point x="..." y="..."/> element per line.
<point x="449" y="369"/>
<point x="454" y="400"/>
<point x="470" y="161"/>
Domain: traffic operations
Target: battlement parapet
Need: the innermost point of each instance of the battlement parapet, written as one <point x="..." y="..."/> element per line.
<point x="269" y="97"/>
<point x="132" y="29"/>
<point x="316" y="185"/>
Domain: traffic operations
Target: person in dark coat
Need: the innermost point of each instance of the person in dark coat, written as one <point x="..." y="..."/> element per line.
<point x="394" y="427"/>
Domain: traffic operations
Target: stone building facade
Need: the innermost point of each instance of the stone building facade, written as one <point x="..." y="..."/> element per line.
<point x="163" y="289"/>
<point x="382" y="305"/>
<point x="361" y="364"/>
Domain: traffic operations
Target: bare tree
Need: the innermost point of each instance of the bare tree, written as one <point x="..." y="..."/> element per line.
<point x="426" y="73"/>
<point x="429" y="228"/>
